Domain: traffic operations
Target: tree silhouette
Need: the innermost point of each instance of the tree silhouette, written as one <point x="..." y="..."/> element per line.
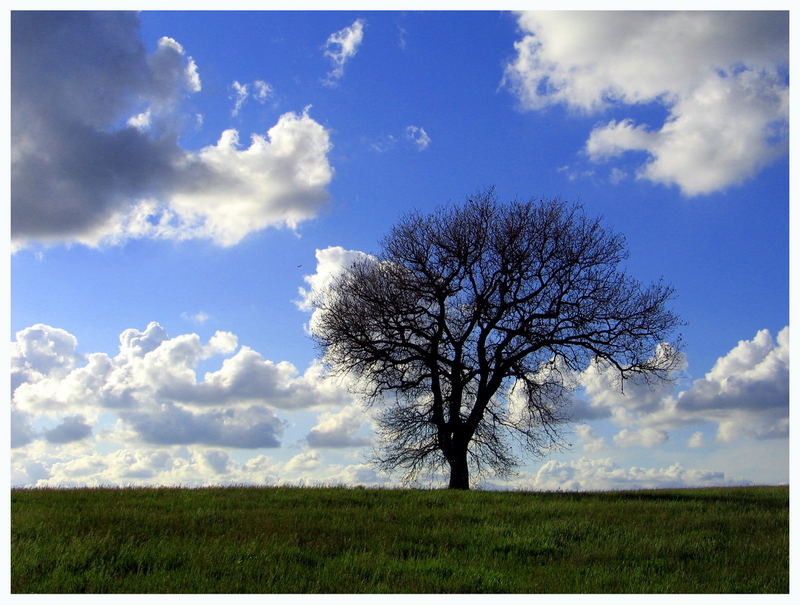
<point x="469" y="323"/>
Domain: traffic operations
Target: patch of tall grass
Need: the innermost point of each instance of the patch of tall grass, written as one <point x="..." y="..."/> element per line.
<point x="339" y="540"/>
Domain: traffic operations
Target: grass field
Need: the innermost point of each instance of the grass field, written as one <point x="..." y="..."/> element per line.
<point x="337" y="540"/>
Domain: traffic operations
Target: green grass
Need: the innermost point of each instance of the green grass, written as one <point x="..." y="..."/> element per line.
<point x="337" y="540"/>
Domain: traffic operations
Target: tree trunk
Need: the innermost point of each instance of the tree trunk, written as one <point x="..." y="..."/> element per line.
<point x="459" y="471"/>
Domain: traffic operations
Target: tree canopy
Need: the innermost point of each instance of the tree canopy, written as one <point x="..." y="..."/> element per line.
<point x="469" y="323"/>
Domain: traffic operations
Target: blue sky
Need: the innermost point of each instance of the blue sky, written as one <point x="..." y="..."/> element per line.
<point x="182" y="181"/>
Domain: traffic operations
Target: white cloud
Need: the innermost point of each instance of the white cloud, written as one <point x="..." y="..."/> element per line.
<point x="338" y="429"/>
<point x="66" y="114"/>
<point x="221" y="343"/>
<point x="200" y="317"/>
<point x="141" y="121"/>
<point x="241" y="92"/>
<point x="383" y="144"/>
<point x="331" y="261"/>
<point x="644" y="437"/>
<point x="152" y="387"/>
<point x="263" y="91"/>
<point x="357" y="474"/>
<point x="747" y="390"/>
<point x="341" y="46"/>
<point x="721" y="76"/>
<point x="614" y="138"/>
<point x="601" y="384"/>
<point x="173" y="72"/>
<point x="418" y="137"/>
<point x="696" y="440"/>
<point x="605" y="474"/>
<point x="136" y="343"/>
<point x="304" y="461"/>
<point x="745" y="393"/>
<point x="591" y="442"/>
<point x="401" y="37"/>
<point x="278" y="181"/>
<point x="42" y="350"/>
<point x="239" y="96"/>
<point x="141" y="465"/>
<point x="175" y="427"/>
<point x="617" y="176"/>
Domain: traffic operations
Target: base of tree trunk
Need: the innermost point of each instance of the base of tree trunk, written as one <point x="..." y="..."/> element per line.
<point x="459" y="474"/>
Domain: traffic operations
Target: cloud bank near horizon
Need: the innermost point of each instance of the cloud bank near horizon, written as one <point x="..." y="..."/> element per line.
<point x="163" y="424"/>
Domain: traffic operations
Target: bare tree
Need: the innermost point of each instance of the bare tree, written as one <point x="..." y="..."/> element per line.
<point x="468" y="324"/>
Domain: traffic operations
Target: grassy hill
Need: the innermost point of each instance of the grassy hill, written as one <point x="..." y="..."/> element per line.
<point x="338" y="540"/>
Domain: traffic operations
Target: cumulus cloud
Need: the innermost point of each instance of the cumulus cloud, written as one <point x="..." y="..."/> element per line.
<point x="141" y="121"/>
<point x="331" y="261"/>
<point x="591" y="442"/>
<point x="747" y="390"/>
<point x="418" y="137"/>
<point x="152" y="388"/>
<point x="341" y="46"/>
<point x="745" y="393"/>
<point x="95" y="159"/>
<point x="278" y="180"/>
<point x="644" y="437"/>
<point x="605" y="474"/>
<point x="72" y="428"/>
<point x="170" y="424"/>
<point x="194" y="466"/>
<point x="721" y="76"/>
<point x="173" y="72"/>
<point x="73" y="75"/>
<point x="42" y="350"/>
<point x="304" y="461"/>
<point x="338" y="429"/>
<point x="601" y="382"/>
<point x="22" y="433"/>
<point x="176" y="427"/>
<point x="696" y="440"/>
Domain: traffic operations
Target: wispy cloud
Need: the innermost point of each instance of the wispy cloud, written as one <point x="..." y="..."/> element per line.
<point x="418" y="137"/>
<point x="199" y="318"/>
<point x="240" y="94"/>
<point x="340" y="47"/>
<point x="261" y="91"/>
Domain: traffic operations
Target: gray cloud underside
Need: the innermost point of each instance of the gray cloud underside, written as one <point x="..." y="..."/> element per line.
<point x="73" y="74"/>
<point x="95" y="123"/>
<point x="252" y="427"/>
